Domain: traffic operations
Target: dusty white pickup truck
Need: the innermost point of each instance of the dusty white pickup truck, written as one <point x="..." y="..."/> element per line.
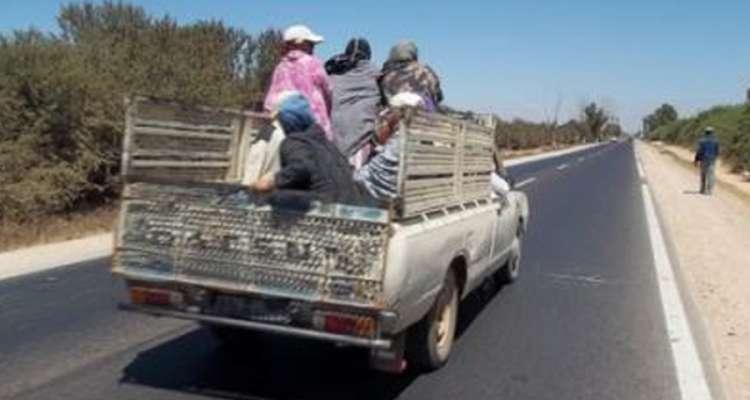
<point x="192" y="243"/>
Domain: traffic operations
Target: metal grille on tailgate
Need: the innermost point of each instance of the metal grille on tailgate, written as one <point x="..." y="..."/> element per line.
<point x="331" y="252"/>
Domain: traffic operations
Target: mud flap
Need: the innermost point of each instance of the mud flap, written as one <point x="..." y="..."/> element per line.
<point x="390" y="360"/>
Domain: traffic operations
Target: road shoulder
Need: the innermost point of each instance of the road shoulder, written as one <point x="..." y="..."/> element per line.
<point x="41" y="258"/>
<point x="709" y="235"/>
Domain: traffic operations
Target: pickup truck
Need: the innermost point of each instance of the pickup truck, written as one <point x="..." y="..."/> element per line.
<point x="192" y="243"/>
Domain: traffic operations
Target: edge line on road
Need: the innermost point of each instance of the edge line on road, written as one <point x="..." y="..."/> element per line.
<point x="562" y="167"/>
<point x="689" y="369"/>
<point x="641" y="172"/>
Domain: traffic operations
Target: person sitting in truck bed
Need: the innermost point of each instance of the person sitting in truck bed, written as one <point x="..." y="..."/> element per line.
<point x="309" y="162"/>
<point x="380" y="175"/>
<point x="356" y="97"/>
<point x="404" y="73"/>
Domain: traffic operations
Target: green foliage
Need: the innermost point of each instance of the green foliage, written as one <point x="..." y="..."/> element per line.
<point x="61" y="97"/>
<point x="732" y="124"/>
<point x="595" y="119"/>
<point x="666" y="114"/>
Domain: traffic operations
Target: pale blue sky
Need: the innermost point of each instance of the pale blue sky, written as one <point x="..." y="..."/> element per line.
<point x="516" y="58"/>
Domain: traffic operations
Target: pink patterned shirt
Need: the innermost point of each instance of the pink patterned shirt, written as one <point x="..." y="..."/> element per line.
<point x="304" y="73"/>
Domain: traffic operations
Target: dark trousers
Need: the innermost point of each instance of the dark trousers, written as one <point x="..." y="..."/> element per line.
<point x="708" y="177"/>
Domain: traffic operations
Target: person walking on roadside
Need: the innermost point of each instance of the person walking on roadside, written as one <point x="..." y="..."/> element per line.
<point x="705" y="157"/>
<point x="300" y="70"/>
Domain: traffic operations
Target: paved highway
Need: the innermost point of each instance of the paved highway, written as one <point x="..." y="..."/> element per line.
<point x="583" y="322"/>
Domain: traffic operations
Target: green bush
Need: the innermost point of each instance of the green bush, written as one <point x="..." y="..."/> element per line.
<point x="61" y="96"/>
<point x="732" y="124"/>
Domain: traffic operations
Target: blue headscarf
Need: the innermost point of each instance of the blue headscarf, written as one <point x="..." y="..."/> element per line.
<point x="294" y="114"/>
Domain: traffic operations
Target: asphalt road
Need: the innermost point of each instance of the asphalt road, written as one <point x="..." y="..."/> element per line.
<point x="583" y="322"/>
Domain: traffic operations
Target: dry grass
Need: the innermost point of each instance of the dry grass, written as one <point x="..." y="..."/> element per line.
<point x="57" y="228"/>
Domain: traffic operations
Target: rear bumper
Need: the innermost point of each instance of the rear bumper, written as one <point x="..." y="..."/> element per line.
<point x="381" y="344"/>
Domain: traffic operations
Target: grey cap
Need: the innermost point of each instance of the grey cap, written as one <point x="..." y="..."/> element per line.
<point x="709" y="129"/>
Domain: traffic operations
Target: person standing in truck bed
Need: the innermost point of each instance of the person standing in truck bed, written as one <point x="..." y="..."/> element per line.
<point x="404" y="73"/>
<point x="300" y="70"/>
<point x="356" y="97"/>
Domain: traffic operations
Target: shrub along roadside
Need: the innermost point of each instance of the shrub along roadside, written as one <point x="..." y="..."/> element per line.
<point x="732" y="124"/>
<point x="61" y="96"/>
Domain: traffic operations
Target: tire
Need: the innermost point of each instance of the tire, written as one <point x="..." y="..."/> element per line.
<point x="509" y="272"/>
<point x="430" y="341"/>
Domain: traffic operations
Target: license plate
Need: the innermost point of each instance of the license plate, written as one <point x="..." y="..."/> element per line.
<point x="255" y="309"/>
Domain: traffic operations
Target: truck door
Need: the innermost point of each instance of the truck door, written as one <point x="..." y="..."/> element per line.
<point x="504" y="229"/>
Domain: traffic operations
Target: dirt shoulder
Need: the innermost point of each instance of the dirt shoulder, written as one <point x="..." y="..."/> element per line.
<point x="57" y="228"/>
<point x="710" y="235"/>
<point x="739" y="184"/>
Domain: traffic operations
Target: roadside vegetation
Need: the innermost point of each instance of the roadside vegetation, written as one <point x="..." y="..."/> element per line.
<point x="61" y="97"/>
<point x="732" y="124"/>
<point x="62" y="104"/>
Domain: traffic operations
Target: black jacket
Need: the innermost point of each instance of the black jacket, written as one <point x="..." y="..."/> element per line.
<point x="309" y="162"/>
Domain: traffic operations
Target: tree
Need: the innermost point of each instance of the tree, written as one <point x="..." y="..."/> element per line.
<point x="665" y="114"/>
<point x="594" y="118"/>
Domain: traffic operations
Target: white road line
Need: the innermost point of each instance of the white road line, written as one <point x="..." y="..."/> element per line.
<point x="641" y="172"/>
<point x="562" y="167"/>
<point x="691" y="378"/>
<point x="524" y="182"/>
<point x="544" y="156"/>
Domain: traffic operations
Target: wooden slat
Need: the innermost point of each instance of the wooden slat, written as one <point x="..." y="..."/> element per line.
<point x="417" y="147"/>
<point x="428" y="134"/>
<point x="184" y="134"/>
<point x="138" y="123"/>
<point x="178" y="164"/>
<point x="164" y="153"/>
<point x="418" y="183"/>
<point x="441" y="190"/>
<point x="429" y="170"/>
<point x="476" y="169"/>
<point x="429" y="158"/>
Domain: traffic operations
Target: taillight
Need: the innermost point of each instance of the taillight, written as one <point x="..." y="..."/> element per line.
<point x="155" y="297"/>
<point x="346" y="324"/>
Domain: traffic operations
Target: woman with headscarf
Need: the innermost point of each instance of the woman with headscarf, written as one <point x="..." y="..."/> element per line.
<point x="309" y="162"/>
<point x="300" y="70"/>
<point x="355" y="100"/>
<point x="404" y="73"/>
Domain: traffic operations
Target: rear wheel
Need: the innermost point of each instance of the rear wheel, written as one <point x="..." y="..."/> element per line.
<point x="430" y="341"/>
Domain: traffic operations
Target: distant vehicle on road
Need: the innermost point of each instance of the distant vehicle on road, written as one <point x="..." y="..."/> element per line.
<point x="193" y="244"/>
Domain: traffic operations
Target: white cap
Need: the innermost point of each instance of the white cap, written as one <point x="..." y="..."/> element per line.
<point x="301" y="33"/>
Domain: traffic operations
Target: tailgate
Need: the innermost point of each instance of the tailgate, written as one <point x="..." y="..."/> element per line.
<point x="214" y="236"/>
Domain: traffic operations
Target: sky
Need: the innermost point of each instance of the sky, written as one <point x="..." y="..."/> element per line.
<point x="518" y="59"/>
